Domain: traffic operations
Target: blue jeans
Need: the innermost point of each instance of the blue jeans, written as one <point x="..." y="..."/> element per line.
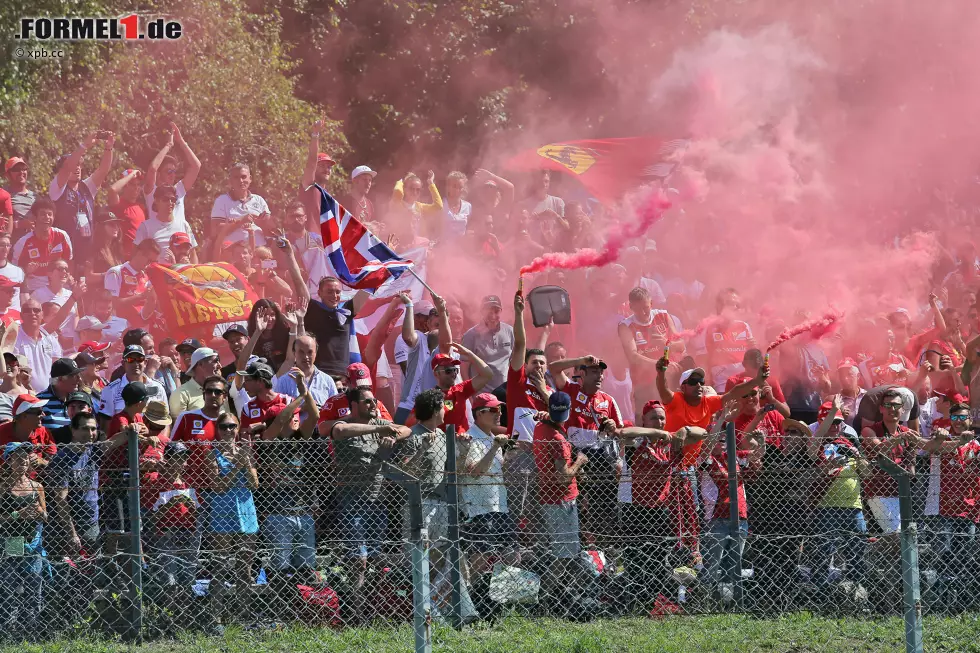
<point x="293" y="541"/>
<point x="174" y="556"/>
<point x="721" y="543"/>
<point x="364" y="522"/>
<point x="843" y="532"/>
<point x="20" y="589"/>
<point x="957" y="539"/>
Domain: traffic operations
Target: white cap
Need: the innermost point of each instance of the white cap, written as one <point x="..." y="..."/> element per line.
<point x="88" y="323"/>
<point x="362" y="170"/>
<point x="200" y="354"/>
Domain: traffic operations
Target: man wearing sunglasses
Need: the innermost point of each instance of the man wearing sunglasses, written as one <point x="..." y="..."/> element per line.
<point x="204" y="364"/>
<point x="890" y="438"/>
<point x="35" y="342"/>
<point x="446" y="370"/>
<point x="134" y="366"/>
<point x="163" y="172"/>
<point x="165" y="224"/>
<point x="26" y="427"/>
<point x="197" y="427"/>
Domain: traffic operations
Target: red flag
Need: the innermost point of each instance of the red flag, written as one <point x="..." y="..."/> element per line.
<point x="195" y="298"/>
<point x="608" y="168"/>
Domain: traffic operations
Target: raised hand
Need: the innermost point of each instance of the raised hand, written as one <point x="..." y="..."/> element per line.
<point x="430" y="178"/>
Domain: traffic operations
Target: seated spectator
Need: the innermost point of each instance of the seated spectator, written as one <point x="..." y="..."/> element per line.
<point x="100" y="304"/>
<point x="64" y="381"/>
<point x="16" y="382"/>
<point x="23" y="512"/>
<point x="43" y="245"/>
<point x="9" y="316"/>
<point x="73" y="478"/>
<point x="181" y="247"/>
<point x="165" y="224"/>
<point x="76" y="402"/>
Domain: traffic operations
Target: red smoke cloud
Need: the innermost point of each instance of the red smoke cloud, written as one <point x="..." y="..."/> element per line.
<point x="818" y="328"/>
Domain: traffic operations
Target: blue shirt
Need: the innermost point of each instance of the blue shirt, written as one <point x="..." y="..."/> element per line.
<point x="78" y="471"/>
<point x="55" y="413"/>
<point x="321" y="385"/>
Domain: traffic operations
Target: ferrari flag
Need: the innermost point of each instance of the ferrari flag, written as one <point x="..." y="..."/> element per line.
<point x="197" y="297"/>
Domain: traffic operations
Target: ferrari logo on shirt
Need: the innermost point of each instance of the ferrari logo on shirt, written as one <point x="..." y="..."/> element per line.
<point x="448" y="404"/>
<point x="128" y="279"/>
<point x="602" y="405"/>
<point x="255" y="412"/>
<point x="640" y="340"/>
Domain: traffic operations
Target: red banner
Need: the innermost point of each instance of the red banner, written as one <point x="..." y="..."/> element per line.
<point x="195" y="298"/>
<point x="608" y="168"/>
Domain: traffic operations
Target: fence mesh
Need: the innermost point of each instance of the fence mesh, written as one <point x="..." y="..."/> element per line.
<point x="271" y="533"/>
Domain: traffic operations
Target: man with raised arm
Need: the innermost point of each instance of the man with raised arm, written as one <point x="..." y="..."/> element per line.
<point x="163" y="172"/>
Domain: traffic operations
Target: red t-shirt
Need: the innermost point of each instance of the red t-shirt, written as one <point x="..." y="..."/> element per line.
<point x="123" y="281"/>
<point x="196" y="429"/>
<point x="777" y="390"/>
<point x="31" y="249"/>
<point x="551" y="445"/>
<point x="771" y="425"/>
<point x="173" y="504"/>
<point x="959" y="482"/>
<point x="728" y="343"/>
<point x="880" y="483"/>
<point x="256" y="411"/>
<point x="6" y="205"/>
<point x="521" y="394"/>
<point x="455" y="403"/>
<point x="650" y="340"/>
<point x="718" y="471"/>
<point x="118" y="458"/>
<point x="40" y="437"/>
<point x="587" y="414"/>
<point x="132" y="215"/>
<point x="651" y="469"/>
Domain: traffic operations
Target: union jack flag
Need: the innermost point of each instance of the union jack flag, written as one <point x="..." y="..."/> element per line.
<point x="357" y="257"/>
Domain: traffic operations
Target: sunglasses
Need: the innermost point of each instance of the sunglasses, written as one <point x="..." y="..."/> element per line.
<point x="891" y="406"/>
<point x="370" y="402"/>
<point x="693" y="382"/>
<point x="959" y="418"/>
<point x="227" y="426"/>
<point x="32" y="310"/>
<point x="215" y="392"/>
<point x="488" y="410"/>
<point x="135" y="359"/>
<point x="450" y="370"/>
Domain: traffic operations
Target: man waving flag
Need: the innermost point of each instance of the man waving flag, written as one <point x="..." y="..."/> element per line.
<point x="356" y="256"/>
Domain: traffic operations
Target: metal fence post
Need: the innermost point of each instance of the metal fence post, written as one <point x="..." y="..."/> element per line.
<point x="453" y="554"/>
<point x="419" y="537"/>
<point x="910" y="557"/>
<point x="135" y="543"/>
<point x="735" y="566"/>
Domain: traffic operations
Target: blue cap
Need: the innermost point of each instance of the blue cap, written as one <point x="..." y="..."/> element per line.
<point x="559" y="407"/>
<point x="14" y="447"/>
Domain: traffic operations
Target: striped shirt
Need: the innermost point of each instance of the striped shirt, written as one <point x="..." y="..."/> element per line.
<point x="55" y="413"/>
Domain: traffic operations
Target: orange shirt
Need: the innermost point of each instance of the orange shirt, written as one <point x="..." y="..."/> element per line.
<point x="681" y="414"/>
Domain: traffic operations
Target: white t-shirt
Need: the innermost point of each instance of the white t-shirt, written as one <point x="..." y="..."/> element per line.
<point x="178" y="207"/>
<point x="416" y="359"/>
<point x="16" y="275"/>
<point x="486" y="492"/>
<point x="41" y="353"/>
<point x="316" y="267"/>
<point x="162" y="231"/>
<point x="227" y="208"/>
<point x="455" y="223"/>
<point x="44" y="294"/>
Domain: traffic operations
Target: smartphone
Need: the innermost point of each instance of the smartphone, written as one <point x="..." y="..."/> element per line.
<point x="269" y="264"/>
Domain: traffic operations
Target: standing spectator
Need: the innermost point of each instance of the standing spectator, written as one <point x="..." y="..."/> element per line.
<point x="303" y="354"/>
<point x="6" y="213"/>
<point x="237" y="338"/>
<point x="10" y="271"/>
<point x="92" y="365"/>
<point x="237" y="210"/>
<point x="337" y="408"/>
<point x="889" y="438"/>
<point x="752" y="362"/>
<point x="163" y="172"/>
<point x="357" y="202"/>
<point x="134" y="367"/>
<point x="231" y="517"/>
<point x="75" y="197"/>
<point x="26" y="427"/>
<point x="727" y="339"/>
<point x="456" y="210"/>
<point x="643" y="335"/>
<point x="491" y="341"/>
<point x="33" y="341"/>
<point x="406" y="196"/>
<point x="73" y="478"/>
<point x="59" y="291"/>
<point x="296" y="225"/>
<point x="126" y="201"/>
<point x="317" y="170"/>
<point x="446" y="369"/>
<point x="129" y="284"/>
<point x="420" y="347"/>
<point x="331" y="322"/>
<point x="268" y="332"/>
<point x="64" y="381"/>
<point x="41" y="246"/>
<point x="21" y="197"/>
<point x="541" y="206"/>
<point x="76" y="402"/>
<point x="198" y="429"/>
<point x="258" y="385"/>
<point x="361" y="445"/>
<point x="109" y="246"/>
<point x="165" y="224"/>
<point x="24" y="511"/>
<point x="190" y="395"/>
<point x="181" y="248"/>
<point x="185" y="350"/>
<point x="9" y="316"/>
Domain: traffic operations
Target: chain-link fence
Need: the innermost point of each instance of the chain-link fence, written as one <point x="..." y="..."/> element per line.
<point x="333" y="534"/>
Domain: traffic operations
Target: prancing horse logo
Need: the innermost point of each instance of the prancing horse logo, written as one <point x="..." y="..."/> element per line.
<point x="577" y="159"/>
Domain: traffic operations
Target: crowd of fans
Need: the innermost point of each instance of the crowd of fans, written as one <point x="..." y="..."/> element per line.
<point x="593" y="450"/>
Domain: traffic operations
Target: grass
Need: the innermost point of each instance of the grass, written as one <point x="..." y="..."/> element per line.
<point x="795" y="633"/>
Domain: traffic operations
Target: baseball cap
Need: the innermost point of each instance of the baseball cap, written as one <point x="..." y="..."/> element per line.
<point x="423" y="307"/>
<point x="559" y="406"/>
<point x="485" y="400"/>
<point x="88" y="323"/>
<point x="79" y="397"/>
<point x="697" y="372"/>
<point x="134" y="336"/>
<point x="13" y="161"/>
<point x="492" y="300"/>
<point x="362" y="170"/>
<point x="258" y="370"/>
<point x="323" y="156"/>
<point x="93" y="347"/>
<point x="11" y="448"/>
<point x="64" y="367"/>
<point x="444" y="360"/>
<point x="135" y="392"/>
<point x="133" y="350"/>
<point x="24" y="403"/>
<point x="189" y="346"/>
<point x="825" y="410"/>
<point x="85" y="359"/>
<point x="359" y="375"/>
<point x="601" y="365"/>
<point x="157" y="413"/>
<point x="202" y="353"/>
<point x="847" y="362"/>
<point x="180" y="238"/>
<point x="235" y="328"/>
<point x="650" y="405"/>
<point x="104" y="216"/>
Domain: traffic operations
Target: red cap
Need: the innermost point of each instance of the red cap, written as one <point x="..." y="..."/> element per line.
<point x="359" y="375"/>
<point x="93" y="346"/>
<point x="825" y="410"/>
<point x="485" y="400"/>
<point x="953" y="398"/>
<point x="847" y="362"/>
<point x="650" y="405"/>
<point x="180" y="238"/>
<point x="24" y="403"/>
<point x="322" y="156"/>
<point x="11" y="162"/>
<point x="7" y="282"/>
<point x="444" y="360"/>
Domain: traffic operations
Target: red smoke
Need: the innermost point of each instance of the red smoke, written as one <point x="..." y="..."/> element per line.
<point x="817" y="328"/>
<point x="711" y="320"/>
<point x="648" y="213"/>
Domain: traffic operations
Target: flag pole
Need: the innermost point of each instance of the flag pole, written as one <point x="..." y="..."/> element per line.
<point x="422" y="281"/>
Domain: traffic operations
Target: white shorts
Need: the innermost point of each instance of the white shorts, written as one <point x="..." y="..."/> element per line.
<point x="886" y="513"/>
